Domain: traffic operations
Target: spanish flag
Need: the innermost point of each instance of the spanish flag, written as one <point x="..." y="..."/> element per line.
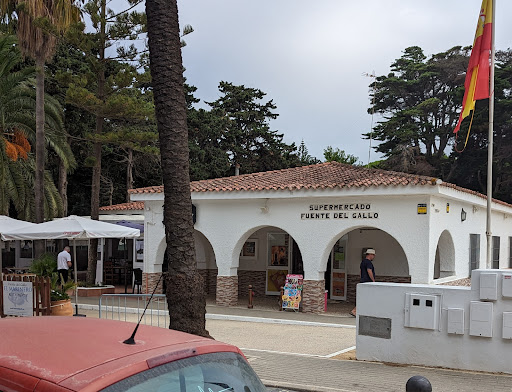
<point x="478" y="74"/>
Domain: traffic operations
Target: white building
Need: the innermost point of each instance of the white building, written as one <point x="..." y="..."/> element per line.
<point x="318" y="220"/>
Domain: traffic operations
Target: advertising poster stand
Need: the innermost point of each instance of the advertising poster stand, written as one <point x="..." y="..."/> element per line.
<point x="292" y="293"/>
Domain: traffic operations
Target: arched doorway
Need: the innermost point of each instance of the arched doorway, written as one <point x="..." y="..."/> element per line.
<point x="444" y="263"/>
<point x="266" y="257"/>
<point x="391" y="264"/>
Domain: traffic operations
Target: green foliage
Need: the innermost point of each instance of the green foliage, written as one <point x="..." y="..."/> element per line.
<point x="208" y="158"/>
<point x="419" y="103"/>
<point x="469" y="168"/>
<point x="45" y="265"/>
<point x="17" y="114"/>
<point x="246" y="134"/>
<point x="337" y="155"/>
<point x="304" y="157"/>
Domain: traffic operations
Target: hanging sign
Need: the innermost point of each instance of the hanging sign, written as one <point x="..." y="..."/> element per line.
<point x="18" y="298"/>
<point x="292" y="294"/>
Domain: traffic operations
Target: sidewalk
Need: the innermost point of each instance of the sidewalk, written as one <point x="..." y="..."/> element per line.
<point x="265" y="310"/>
<point x="327" y="375"/>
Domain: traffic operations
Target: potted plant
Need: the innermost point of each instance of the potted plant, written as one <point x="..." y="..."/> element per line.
<point x="60" y="301"/>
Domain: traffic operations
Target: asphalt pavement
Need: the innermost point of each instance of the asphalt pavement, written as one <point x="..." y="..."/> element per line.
<point x="294" y="351"/>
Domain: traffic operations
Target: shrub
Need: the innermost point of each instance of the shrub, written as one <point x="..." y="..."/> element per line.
<point x="44" y="265"/>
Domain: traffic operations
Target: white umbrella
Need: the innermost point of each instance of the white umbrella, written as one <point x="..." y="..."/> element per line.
<point x="72" y="227"/>
<point x="7" y="224"/>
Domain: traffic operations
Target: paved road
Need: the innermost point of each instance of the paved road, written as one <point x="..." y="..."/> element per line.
<point x="299" y="357"/>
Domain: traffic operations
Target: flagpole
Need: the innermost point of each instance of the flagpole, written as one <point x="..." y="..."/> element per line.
<point x="488" y="232"/>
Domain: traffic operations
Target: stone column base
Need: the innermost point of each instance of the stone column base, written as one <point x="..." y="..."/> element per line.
<point x="149" y="281"/>
<point x="227" y="290"/>
<point x="313" y="296"/>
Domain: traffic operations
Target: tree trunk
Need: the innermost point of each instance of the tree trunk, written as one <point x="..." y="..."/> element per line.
<point x="96" y="170"/>
<point x="40" y="153"/>
<point x="129" y="173"/>
<point x="63" y="187"/>
<point x="39" y="175"/>
<point x="185" y="291"/>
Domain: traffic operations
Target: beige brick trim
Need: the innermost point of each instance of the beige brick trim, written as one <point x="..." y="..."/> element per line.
<point x="227" y="290"/>
<point x="313" y="296"/>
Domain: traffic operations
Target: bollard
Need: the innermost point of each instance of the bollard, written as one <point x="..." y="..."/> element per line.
<point x="325" y="300"/>
<point x="250" y="297"/>
<point x="418" y="384"/>
<point x="281" y="298"/>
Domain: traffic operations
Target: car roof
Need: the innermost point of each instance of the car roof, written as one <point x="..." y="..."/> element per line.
<point x="88" y="354"/>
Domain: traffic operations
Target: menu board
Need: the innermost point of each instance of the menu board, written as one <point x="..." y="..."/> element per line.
<point x="292" y="294"/>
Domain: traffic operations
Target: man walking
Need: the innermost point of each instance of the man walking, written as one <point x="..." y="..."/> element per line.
<point x="63" y="264"/>
<point x="367" y="271"/>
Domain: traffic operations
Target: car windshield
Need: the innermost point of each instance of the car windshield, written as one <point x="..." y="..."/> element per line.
<point x="216" y="372"/>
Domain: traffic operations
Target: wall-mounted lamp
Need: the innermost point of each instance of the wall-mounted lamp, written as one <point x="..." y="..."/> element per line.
<point x="462" y="215"/>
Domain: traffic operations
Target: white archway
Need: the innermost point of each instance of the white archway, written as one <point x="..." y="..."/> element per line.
<point x="444" y="262"/>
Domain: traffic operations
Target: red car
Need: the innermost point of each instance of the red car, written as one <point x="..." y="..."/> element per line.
<point x="81" y="354"/>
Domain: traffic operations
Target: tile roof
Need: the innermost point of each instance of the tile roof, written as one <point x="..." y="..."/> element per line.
<point x="328" y="175"/>
<point x="135" y="205"/>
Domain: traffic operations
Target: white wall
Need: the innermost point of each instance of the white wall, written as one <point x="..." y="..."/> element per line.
<point x="228" y="219"/>
<point x="228" y="224"/>
<point x="390" y="259"/>
<point x="434" y="347"/>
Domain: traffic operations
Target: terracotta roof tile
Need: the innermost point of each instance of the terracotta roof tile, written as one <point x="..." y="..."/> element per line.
<point x="135" y="205"/>
<point x="328" y="175"/>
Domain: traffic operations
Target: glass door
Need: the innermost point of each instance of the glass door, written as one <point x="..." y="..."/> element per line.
<point x="278" y="262"/>
<point x="338" y="269"/>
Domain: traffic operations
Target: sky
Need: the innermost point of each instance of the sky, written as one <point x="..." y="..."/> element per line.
<point x="310" y="57"/>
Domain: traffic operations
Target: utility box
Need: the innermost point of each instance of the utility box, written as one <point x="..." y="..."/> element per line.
<point x="480" y="319"/>
<point x="506" y="285"/>
<point x="507" y="325"/>
<point x="456" y="321"/>
<point x="489" y="286"/>
<point x="421" y="311"/>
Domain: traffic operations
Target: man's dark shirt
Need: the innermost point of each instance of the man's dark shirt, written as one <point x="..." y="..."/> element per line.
<point x="365" y="266"/>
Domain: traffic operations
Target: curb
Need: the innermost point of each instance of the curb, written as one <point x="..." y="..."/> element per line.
<point x="214" y="316"/>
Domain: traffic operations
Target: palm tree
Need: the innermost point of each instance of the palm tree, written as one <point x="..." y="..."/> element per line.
<point x="185" y="293"/>
<point x="38" y="24"/>
<point x="18" y="133"/>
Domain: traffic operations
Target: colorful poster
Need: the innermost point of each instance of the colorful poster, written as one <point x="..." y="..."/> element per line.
<point x="276" y="279"/>
<point x="292" y="294"/>
<point x="279" y="255"/>
<point x="338" y="284"/>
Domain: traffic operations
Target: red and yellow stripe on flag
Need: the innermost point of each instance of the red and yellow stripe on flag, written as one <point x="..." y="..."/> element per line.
<point x="477" y="76"/>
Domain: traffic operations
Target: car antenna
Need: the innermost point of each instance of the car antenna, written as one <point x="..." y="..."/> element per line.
<point x="131" y="339"/>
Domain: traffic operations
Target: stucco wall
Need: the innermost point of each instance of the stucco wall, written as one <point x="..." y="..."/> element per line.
<point x="227" y="225"/>
<point x="433" y="347"/>
<point x="390" y="258"/>
<point x="406" y="242"/>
